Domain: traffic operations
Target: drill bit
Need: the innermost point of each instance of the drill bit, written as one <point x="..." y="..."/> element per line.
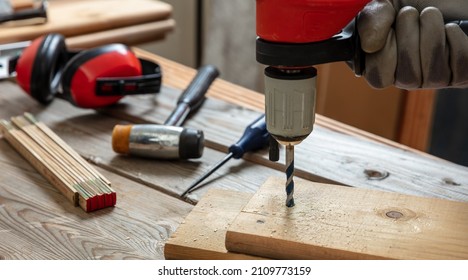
<point x="289" y="175"/>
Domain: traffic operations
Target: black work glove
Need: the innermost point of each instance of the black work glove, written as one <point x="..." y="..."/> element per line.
<point x="407" y="43"/>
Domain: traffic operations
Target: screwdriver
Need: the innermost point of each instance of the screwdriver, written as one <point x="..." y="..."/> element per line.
<point x="255" y="137"/>
<point x="193" y="96"/>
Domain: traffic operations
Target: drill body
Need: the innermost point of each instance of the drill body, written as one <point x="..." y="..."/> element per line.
<point x="293" y="36"/>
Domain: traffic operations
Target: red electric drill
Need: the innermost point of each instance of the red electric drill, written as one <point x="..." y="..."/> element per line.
<point x="294" y="35"/>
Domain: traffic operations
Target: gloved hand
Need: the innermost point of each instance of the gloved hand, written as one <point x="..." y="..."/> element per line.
<point x="408" y="45"/>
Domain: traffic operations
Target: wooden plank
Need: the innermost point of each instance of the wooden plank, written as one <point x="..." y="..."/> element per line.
<point x="36" y="222"/>
<point x="202" y="234"/>
<point x="335" y="222"/>
<point x="178" y="76"/>
<point x="131" y="35"/>
<point x="77" y="17"/>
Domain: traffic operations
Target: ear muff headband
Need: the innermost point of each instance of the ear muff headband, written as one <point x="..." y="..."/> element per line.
<point x="47" y="68"/>
<point x="149" y="82"/>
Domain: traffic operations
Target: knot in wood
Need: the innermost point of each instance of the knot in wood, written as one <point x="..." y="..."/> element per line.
<point x="375" y="174"/>
<point x="394" y="215"/>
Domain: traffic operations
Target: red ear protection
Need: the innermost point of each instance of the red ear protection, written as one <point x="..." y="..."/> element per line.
<point x="40" y="65"/>
<point x="89" y="79"/>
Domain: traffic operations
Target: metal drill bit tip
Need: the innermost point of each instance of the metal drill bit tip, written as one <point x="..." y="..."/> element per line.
<point x="289" y="175"/>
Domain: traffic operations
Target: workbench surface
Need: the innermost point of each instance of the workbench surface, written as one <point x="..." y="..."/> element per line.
<point x="91" y="23"/>
<point x="37" y="222"/>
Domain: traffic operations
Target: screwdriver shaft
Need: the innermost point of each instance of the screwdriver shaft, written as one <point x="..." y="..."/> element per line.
<point x="193" y="186"/>
<point x="289" y="175"/>
<point x="255" y="137"/>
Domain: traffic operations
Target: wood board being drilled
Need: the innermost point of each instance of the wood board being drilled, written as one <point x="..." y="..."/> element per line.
<point x="335" y="222"/>
<point x="201" y="236"/>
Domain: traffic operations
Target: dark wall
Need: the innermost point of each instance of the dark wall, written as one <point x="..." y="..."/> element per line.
<point x="450" y="126"/>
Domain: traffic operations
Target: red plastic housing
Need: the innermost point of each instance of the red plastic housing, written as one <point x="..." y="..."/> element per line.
<point x="25" y="64"/>
<point x="304" y="21"/>
<point x="111" y="64"/>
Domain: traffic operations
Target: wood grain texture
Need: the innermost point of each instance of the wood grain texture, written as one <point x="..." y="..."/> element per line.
<point x="336" y="155"/>
<point x="202" y="234"/>
<point x="77" y="17"/>
<point x="335" y="222"/>
<point x="326" y="156"/>
<point x="36" y="222"/>
<point x="90" y="133"/>
<point x="132" y="35"/>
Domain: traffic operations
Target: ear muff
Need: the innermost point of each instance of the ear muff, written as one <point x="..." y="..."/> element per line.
<point x="89" y="79"/>
<point x="102" y="76"/>
<point x="40" y="65"/>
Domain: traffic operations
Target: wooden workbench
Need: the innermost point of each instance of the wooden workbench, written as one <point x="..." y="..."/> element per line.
<point x="37" y="222"/>
<point x="90" y="23"/>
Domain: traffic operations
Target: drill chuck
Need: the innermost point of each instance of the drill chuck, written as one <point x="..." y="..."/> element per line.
<point x="158" y="141"/>
<point x="290" y="103"/>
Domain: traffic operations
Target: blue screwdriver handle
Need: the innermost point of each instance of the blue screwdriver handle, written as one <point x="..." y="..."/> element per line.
<point x="255" y="137"/>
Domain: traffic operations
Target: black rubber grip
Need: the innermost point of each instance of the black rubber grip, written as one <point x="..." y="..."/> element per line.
<point x="40" y="12"/>
<point x="194" y="95"/>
